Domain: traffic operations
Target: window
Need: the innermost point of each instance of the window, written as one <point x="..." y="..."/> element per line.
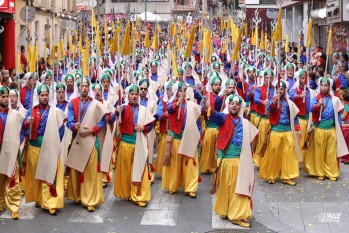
<point x="124" y="0"/>
<point x="157" y="1"/>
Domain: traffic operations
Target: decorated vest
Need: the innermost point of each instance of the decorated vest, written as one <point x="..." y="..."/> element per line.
<point x="225" y="132"/>
<point x="163" y="121"/>
<point x="127" y="123"/>
<point x="299" y="103"/>
<point x="261" y="107"/>
<point x="176" y="125"/>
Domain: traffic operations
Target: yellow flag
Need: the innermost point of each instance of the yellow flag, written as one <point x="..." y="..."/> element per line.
<point x="19" y="63"/>
<point x="33" y="60"/>
<point x="255" y="36"/>
<point x="310" y="33"/>
<point x="172" y="29"/>
<point x="235" y="56"/>
<point x="93" y="19"/>
<point x="201" y="47"/>
<point x="114" y="47"/>
<point x="98" y="41"/>
<point x="174" y="65"/>
<point x="278" y="29"/>
<point x="155" y="43"/>
<point x="272" y="52"/>
<point x="60" y="51"/>
<point x="80" y="45"/>
<point x="178" y="43"/>
<point x="189" y="48"/>
<point x="329" y="43"/>
<point x="86" y="58"/>
<point x="224" y="46"/>
<point x="52" y="54"/>
<point x="126" y="46"/>
<point x="106" y="30"/>
<point x="29" y="47"/>
<point x="261" y="43"/>
<point x="147" y="40"/>
<point x="286" y="44"/>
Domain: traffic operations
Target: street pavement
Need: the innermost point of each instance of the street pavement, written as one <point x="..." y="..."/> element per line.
<point x="311" y="206"/>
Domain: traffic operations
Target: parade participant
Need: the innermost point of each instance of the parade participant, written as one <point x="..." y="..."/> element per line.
<point x="132" y="181"/>
<point x="340" y="79"/>
<point x="105" y="136"/>
<point x="10" y="130"/>
<point x="26" y="90"/>
<point x="180" y="72"/>
<point x="43" y="170"/>
<point x="162" y="116"/>
<point x="150" y="104"/>
<point x="327" y="142"/>
<point x="62" y="103"/>
<point x="280" y="150"/>
<point x="301" y="95"/>
<point x="69" y="83"/>
<point x="46" y="77"/>
<point x="262" y="95"/>
<point x="290" y="69"/>
<point x="208" y="155"/>
<point x="235" y="172"/>
<point x="108" y="92"/>
<point x="180" y="170"/>
<point x="85" y="179"/>
<point x="249" y="85"/>
<point x="155" y="76"/>
<point x="228" y="88"/>
<point x="252" y="85"/>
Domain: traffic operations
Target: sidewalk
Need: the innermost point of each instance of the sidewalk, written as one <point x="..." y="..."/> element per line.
<point x="311" y="206"/>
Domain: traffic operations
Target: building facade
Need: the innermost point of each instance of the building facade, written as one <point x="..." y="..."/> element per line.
<point x="57" y="16"/>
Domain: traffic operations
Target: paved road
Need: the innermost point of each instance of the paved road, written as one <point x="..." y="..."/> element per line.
<point x="277" y="208"/>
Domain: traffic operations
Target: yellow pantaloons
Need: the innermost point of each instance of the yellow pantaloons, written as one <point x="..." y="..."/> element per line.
<point x="321" y="158"/>
<point x="263" y="128"/>
<point x="123" y="187"/>
<point x="304" y="129"/>
<point x="280" y="159"/>
<point x="90" y="191"/>
<point x="10" y="197"/>
<point x="253" y="118"/>
<point x="39" y="191"/>
<point x="109" y="175"/>
<point x="208" y="158"/>
<point x="228" y="203"/>
<point x="161" y="150"/>
<point x="183" y="171"/>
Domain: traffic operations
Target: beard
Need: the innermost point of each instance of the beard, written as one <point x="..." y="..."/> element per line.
<point x="4" y="104"/>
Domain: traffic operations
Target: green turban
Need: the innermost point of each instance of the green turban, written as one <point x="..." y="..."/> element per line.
<point x="96" y="86"/>
<point x="42" y="88"/>
<point x="4" y="90"/>
<point x="216" y="79"/>
<point x="60" y="86"/>
<point x="105" y="76"/>
<point x="235" y="98"/>
<point x="133" y="88"/>
<point x="68" y="76"/>
<point x="144" y="82"/>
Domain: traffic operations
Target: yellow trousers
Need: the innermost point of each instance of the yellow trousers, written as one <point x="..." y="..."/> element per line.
<point x="208" y="156"/>
<point x="86" y="187"/>
<point x="123" y="186"/>
<point x="280" y="159"/>
<point x="161" y="150"/>
<point x="322" y="154"/>
<point x="263" y="128"/>
<point x="304" y="129"/>
<point x="10" y="197"/>
<point x="183" y="172"/>
<point x="253" y="118"/>
<point x="39" y="191"/>
<point x="228" y="203"/>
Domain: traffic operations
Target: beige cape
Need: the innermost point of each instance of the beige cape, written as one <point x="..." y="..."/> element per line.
<point x="141" y="147"/>
<point x="191" y="134"/>
<point x="79" y="154"/>
<point x="106" y="138"/>
<point x="51" y="147"/>
<point x="342" y="148"/>
<point x="10" y="142"/>
<point x="293" y="113"/>
<point x="245" y="179"/>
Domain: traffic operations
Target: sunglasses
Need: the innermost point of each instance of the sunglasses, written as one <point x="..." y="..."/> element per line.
<point x="143" y="88"/>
